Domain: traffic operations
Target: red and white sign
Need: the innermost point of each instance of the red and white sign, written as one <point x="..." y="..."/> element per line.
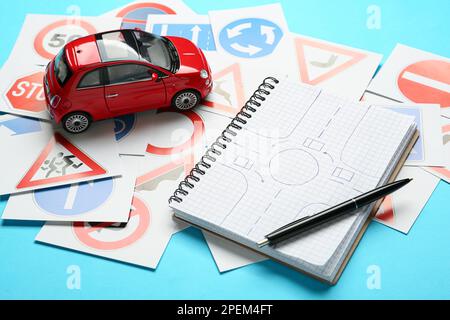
<point x="228" y="92"/>
<point x="195" y="138"/>
<point x="426" y="82"/>
<point x="413" y="75"/>
<point x="186" y="164"/>
<point x="386" y="210"/>
<point x="52" y="38"/>
<point x="104" y="236"/>
<point x="320" y="61"/>
<point x="136" y="13"/>
<point x="124" y="12"/>
<point x="27" y="93"/>
<point x="60" y="161"/>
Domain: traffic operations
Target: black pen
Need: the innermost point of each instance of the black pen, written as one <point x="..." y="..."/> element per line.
<point x="306" y="223"/>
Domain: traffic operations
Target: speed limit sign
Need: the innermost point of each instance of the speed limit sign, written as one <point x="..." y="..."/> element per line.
<point x="54" y="36"/>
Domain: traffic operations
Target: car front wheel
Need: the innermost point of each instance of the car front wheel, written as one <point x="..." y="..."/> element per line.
<point x="76" y="122"/>
<point x="186" y="100"/>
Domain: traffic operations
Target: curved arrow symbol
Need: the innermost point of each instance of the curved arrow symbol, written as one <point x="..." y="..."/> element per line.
<point x="249" y="49"/>
<point x="269" y="32"/>
<point x="237" y="31"/>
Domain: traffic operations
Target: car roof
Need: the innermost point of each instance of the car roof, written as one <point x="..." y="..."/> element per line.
<point x="84" y="52"/>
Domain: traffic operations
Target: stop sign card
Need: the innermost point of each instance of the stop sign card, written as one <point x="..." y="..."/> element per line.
<point x="141" y="241"/>
<point x="412" y="75"/>
<point x="103" y="200"/>
<point x="38" y="156"/>
<point x="43" y="36"/>
<point x="22" y="90"/>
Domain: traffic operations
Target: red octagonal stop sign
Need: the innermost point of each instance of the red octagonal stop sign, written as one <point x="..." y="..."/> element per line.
<point x="27" y="93"/>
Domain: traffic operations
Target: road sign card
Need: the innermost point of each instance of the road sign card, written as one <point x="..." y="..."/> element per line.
<point x="229" y="255"/>
<point x="256" y="36"/>
<point x="412" y="75"/>
<point x="227" y="96"/>
<point x="339" y="69"/>
<point x="400" y="210"/>
<point x="177" y="134"/>
<point x="141" y="241"/>
<point x="164" y="132"/>
<point x="22" y="90"/>
<point x="131" y="132"/>
<point x="104" y="200"/>
<point x="428" y="149"/>
<point x="444" y="172"/>
<point x="193" y="27"/>
<point x="51" y="157"/>
<point x="134" y="15"/>
<point x="43" y="36"/>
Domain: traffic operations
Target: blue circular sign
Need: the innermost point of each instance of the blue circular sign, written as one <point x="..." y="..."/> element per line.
<point x="250" y="38"/>
<point x="74" y="199"/>
<point x="123" y="125"/>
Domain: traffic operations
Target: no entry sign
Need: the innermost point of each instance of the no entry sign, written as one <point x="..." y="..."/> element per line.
<point x="426" y="82"/>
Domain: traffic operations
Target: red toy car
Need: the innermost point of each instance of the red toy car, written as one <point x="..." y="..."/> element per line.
<point x="124" y="71"/>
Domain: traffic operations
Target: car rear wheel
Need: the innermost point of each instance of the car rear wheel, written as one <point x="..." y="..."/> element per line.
<point x="76" y="122"/>
<point x="186" y="100"/>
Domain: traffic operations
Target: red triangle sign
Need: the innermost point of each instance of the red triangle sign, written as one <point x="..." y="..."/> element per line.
<point x="386" y="211"/>
<point x="187" y="163"/>
<point x="62" y="167"/>
<point x="301" y="43"/>
<point x="235" y="70"/>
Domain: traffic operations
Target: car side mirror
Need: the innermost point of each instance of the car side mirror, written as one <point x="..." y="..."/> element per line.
<point x="155" y="76"/>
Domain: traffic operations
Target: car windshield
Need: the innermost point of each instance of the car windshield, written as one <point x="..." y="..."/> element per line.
<point x="156" y="50"/>
<point x="62" y="70"/>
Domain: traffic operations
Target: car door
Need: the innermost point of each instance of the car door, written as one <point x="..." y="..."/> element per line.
<point x="132" y="88"/>
<point x="90" y="94"/>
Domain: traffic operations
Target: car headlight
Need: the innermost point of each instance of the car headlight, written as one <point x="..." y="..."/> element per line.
<point x="204" y="74"/>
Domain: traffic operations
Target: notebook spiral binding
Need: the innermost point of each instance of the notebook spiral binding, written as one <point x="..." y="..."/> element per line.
<point x="220" y="144"/>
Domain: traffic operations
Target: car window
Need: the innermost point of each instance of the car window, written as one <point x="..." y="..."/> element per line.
<point x="61" y="68"/>
<point x="117" y="45"/>
<point x="91" y="79"/>
<point x="128" y="73"/>
<point x="154" y="49"/>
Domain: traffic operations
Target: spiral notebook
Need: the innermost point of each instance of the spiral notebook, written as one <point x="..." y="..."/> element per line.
<point x="292" y="151"/>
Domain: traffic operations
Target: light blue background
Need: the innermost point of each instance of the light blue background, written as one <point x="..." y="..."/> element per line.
<point x="412" y="266"/>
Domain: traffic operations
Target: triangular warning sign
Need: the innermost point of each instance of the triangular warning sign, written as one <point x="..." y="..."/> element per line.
<point x="228" y="91"/>
<point x="386" y="211"/>
<point x="329" y="60"/>
<point x="169" y="171"/>
<point x="60" y="161"/>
